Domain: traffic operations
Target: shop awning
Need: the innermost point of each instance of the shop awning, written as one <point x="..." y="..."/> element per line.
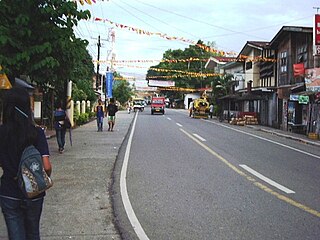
<point x="229" y="97"/>
<point x="250" y="96"/>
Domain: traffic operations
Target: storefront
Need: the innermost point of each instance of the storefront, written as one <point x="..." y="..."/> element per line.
<point x="297" y="113"/>
<point x="312" y="82"/>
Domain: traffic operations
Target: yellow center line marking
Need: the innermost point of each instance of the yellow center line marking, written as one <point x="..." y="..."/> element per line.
<point x="254" y="181"/>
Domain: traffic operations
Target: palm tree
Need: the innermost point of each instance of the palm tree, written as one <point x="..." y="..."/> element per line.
<point x="221" y="86"/>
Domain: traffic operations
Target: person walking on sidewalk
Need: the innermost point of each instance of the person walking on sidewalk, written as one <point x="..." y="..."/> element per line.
<point x="100" y="115"/>
<point x="112" y="108"/>
<point x="22" y="215"/>
<point x="60" y="125"/>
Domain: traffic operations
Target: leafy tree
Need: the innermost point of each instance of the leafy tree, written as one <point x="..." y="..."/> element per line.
<point x="82" y="88"/>
<point x="121" y="90"/>
<point x="222" y="85"/>
<point x="184" y="80"/>
<point x="37" y="40"/>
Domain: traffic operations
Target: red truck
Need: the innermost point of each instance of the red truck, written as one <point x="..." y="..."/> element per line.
<point x="157" y="105"/>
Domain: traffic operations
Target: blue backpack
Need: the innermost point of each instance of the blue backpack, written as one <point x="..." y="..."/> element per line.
<point x="32" y="178"/>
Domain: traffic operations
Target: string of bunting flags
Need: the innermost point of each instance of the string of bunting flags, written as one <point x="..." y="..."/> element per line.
<point x="178" y="89"/>
<point x="241" y="58"/>
<point x="82" y="2"/>
<point x="202" y="46"/>
<point x="141" y="31"/>
<point x="162" y="35"/>
<point x="153" y="61"/>
<point x="194" y="74"/>
<point x="168" y="77"/>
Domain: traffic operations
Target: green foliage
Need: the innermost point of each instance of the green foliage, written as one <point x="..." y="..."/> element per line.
<point x="91" y="115"/>
<point x="122" y="91"/>
<point x="37" y="40"/>
<point x="82" y="90"/>
<point x="80" y="118"/>
<point x="83" y="118"/>
<point x="192" y="51"/>
<point x="78" y="94"/>
<point x="222" y="85"/>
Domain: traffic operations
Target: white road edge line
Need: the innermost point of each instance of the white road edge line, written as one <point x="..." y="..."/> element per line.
<point x="200" y="138"/>
<point x="267" y="180"/>
<point x="169" y="118"/>
<point x="124" y="193"/>
<point x="179" y="124"/>
<point x="265" y="139"/>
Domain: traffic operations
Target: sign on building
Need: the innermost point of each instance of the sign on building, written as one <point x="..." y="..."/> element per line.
<point x="312" y="79"/>
<point x="316" y="35"/>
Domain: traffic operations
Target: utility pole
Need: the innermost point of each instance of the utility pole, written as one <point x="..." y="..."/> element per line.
<point x="317" y="8"/>
<point x="98" y="65"/>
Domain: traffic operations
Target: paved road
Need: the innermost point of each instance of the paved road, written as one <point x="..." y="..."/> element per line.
<point x="184" y="181"/>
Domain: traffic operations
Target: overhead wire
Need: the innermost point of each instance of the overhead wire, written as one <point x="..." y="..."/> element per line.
<point x="223" y="28"/>
<point x="260" y="28"/>
<point x="151" y="16"/>
<point x="137" y="17"/>
<point x="80" y="34"/>
<point x="196" y="20"/>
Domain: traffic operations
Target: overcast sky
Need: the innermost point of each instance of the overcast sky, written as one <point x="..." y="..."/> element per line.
<point x="228" y="23"/>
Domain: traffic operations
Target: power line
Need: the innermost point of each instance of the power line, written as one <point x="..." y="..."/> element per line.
<point x="136" y="17"/>
<point x="260" y="28"/>
<point x="196" y="20"/>
<point x="161" y="20"/>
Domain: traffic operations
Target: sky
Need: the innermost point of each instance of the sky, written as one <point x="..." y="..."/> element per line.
<point x="227" y="23"/>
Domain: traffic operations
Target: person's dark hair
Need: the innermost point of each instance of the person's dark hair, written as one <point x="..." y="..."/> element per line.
<point x="20" y="130"/>
<point x="59" y="104"/>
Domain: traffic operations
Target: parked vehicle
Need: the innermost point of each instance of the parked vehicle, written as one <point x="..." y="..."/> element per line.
<point x="138" y="104"/>
<point x="157" y="105"/>
<point x="200" y="108"/>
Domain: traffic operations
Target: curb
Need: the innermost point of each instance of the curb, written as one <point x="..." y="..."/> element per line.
<point x="287" y="136"/>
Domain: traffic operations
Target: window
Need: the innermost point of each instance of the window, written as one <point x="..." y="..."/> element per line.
<point x="248" y="65"/>
<point x="283" y="62"/>
<point x="302" y="54"/>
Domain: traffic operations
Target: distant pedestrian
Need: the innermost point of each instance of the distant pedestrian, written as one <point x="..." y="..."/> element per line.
<point x="211" y="108"/>
<point x="60" y="125"/>
<point x="191" y="108"/>
<point x="100" y="115"/>
<point x="22" y="215"/>
<point x="112" y="108"/>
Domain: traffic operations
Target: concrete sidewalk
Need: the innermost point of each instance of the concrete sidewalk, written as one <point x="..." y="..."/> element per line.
<point x="79" y="205"/>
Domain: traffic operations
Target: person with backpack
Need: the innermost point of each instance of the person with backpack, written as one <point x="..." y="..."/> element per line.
<point x="112" y="108"/>
<point x="18" y="131"/>
<point x="60" y="125"/>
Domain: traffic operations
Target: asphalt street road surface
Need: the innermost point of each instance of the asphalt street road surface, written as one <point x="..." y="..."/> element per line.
<point x="200" y="179"/>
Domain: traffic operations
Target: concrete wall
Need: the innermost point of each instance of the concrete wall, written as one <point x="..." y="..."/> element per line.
<point x="190" y="95"/>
